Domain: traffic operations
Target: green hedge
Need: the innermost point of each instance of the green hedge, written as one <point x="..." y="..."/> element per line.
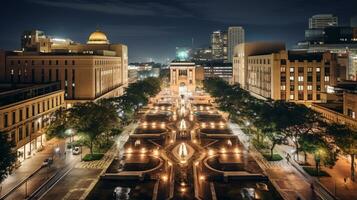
<point x="276" y="157"/>
<point x="91" y="157"/>
<point x="313" y="172"/>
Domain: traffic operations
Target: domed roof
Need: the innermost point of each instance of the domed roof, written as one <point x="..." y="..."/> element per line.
<point x="98" y="37"/>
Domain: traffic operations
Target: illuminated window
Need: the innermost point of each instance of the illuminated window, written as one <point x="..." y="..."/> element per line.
<point x="309" y="87"/>
<point x="282" y="69"/>
<point x="300" y="87"/>
<point x="282" y="87"/>
<point x="291" y="97"/>
<point x="327" y="78"/>
<point x="301" y="78"/>
<point x="291" y="78"/>
<point x="317" y="69"/>
<point x="291" y="69"/>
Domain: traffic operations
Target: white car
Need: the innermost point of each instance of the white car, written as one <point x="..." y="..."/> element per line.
<point x="76" y="151"/>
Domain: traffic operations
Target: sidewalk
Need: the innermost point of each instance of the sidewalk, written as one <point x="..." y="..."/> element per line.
<point x="79" y="182"/>
<point x="29" y="166"/>
<point x="285" y="177"/>
<point x="336" y="183"/>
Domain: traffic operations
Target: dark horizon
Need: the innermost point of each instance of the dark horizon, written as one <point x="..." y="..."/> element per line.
<point x="153" y="28"/>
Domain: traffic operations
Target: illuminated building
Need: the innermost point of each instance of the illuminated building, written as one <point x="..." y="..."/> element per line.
<point x="25" y="111"/>
<point x="87" y="72"/>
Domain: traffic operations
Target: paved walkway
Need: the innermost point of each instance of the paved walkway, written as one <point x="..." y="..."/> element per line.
<point x="78" y="183"/>
<point x="30" y="165"/>
<point x="284" y="176"/>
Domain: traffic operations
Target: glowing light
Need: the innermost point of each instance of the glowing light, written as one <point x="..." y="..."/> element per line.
<point x="202" y="178"/>
<point x="164" y="178"/>
<point x="143" y="150"/>
<point x="236" y="150"/>
<point x="156" y="152"/>
<point x="203" y="125"/>
<point x="223" y="150"/>
<point x="211" y="152"/>
<point x="169" y="163"/>
<point x="229" y="142"/>
<point x="183" y="184"/>
<point x="137" y="143"/>
<point x="129" y="150"/>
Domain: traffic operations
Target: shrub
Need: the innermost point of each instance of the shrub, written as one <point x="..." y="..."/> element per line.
<point x="91" y="157"/>
<point x="313" y="172"/>
<point x="276" y="157"/>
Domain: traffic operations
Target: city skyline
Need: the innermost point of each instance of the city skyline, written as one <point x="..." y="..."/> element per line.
<point x="144" y="24"/>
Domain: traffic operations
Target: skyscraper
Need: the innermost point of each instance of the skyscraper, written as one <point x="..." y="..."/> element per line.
<point x="219" y="41"/>
<point x="322" y="21"/>
<point x="235" y="36"/>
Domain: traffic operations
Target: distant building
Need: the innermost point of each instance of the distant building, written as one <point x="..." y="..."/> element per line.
<point x="217" y="69"/>
<point x="219" y="45"/>
<point x="87" y="72"/>
<point x="25" y="111"/>
<point x="240" y="57"/>
<point x="322" y="20"/>
<point x="202" y="54"/>
<point x="235" y="36"/>
<point x="183" y="76"/>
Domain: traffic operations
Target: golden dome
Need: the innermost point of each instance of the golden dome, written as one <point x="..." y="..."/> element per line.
<point x="98" y="37"/>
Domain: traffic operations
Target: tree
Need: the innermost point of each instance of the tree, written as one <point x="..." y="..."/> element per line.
<point x="92" y="120"/>
<point x="322" y="150"/>
<point x="7" y="156"/>
<point x="346" y="139"/>
<point x="59" y="125"/>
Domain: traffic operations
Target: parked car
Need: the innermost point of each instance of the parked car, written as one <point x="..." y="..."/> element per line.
<point x="76" y="150"/>
<point x="47" y="161"/>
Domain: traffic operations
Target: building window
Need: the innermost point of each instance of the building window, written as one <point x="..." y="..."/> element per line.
<point x="309" y="87"/>
<point x="309" y="78"/>
<point x="20" y="115"/>
<point x="291" y="78"/>
<point x="300" y="87"/>
<point x="56" y="62"/>
<point x="282" y="69"/>
<point x="318" y="69"/>
<point x="351" y="113"/>
<point x="327" y="78"/>
<point x="282" y="87"/>
<point x="292" y="69"/>
<point x="291" y="97"/>
<point x="283" y="62"/>
<point x="309" y="96"/>
<point x="65" y="62"/>
<point x="50" y="75"/>
<point x="27" y="112"/>
<point x="301" y="96"/>
<point x="301" y="70"/>
<point x="57" y="74"/>
<point x="20" y="133"/>
<point x="33" y="75"/>
<point x="13" y="117"/>
<point x="292" y="88"/>
<point x="318" y="97"/>
<point x="318" y="78"/>
<point x="73" y="62"/>
<point x="301" y="78"/>
<point x="27" y="130"/>
<point x="38" y="108"/>
<point x="309" y="69"/>
<point x="6" y="120"/>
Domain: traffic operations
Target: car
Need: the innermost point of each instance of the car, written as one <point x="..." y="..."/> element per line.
<point x="47" y="162"/>
<point x="76" y="151"/>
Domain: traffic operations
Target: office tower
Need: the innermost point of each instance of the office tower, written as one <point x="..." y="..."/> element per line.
<point x="219" y="45"/>
<point x="235" y="36"/>
<point x="322" y="21"/>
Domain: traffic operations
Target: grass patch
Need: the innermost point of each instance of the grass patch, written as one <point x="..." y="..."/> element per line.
<point x="276" y="157"/>
<point x="91" y="157"/>
<point x="313" y="172"/>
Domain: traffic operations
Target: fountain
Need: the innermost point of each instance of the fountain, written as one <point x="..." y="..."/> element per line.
<point x="183" y="151"/>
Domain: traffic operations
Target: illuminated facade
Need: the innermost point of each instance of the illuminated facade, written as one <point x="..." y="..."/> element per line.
<point x="291" y="76"/>
<point x="183" y="76"/>
<point x="87" y="72"/>
<point x="24" y="113"/>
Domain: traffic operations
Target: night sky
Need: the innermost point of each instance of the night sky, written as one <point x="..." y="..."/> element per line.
<point x="153" y="28"/>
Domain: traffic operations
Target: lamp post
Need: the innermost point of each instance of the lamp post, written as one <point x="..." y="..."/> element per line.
<point x="317" y="161"/>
